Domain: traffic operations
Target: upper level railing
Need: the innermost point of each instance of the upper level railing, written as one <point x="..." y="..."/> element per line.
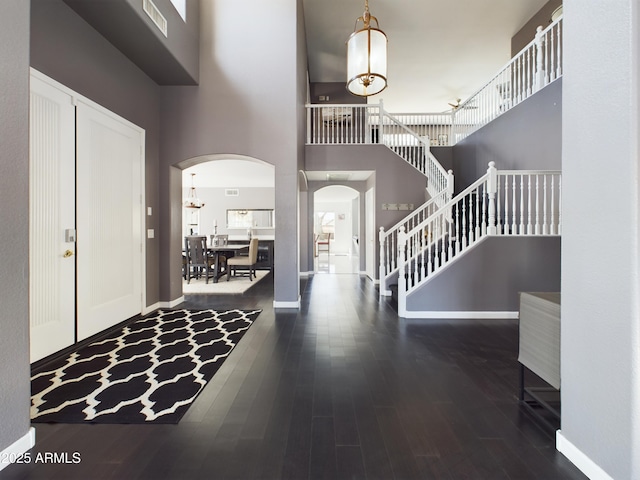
<point x="371" y="124"/>
<point x="534" y="67"/>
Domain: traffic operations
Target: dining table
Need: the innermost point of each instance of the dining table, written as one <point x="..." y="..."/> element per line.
<point x="217" y="251"/>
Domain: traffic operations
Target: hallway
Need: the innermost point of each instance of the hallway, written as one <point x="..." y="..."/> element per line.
<point x="340" y="389"/>
<point x="340" y="264"/>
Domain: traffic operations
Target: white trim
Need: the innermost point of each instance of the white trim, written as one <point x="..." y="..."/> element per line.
<point x="151" y="308"/>
<point x="277" y="304"/>
<point x="18" y="447"/>
<point x="579" y="459"/>
<point x="461" y="314"/>
<point x="171" y="303"/>
<point x="385" y="293"/>
<point x="306" y="274"/>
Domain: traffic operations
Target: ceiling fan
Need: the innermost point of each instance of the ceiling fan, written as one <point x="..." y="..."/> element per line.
<point x="455" y="106"/>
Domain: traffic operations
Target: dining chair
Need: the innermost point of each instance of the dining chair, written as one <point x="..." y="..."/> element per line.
<point x="248" y="261"/>
<point x="323" y="240"/>
<point x="199" y="263"/>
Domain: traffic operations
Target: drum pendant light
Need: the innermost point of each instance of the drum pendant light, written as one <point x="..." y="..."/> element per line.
<point x="367" y="57"/>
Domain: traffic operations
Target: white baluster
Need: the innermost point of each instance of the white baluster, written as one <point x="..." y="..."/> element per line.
<point x="537" y="231"/>
<point x="545" y="195"/>
<point x="492" y="188"/>
<point x="560" y="205"/>
<point x="529" y="206"/>
<point x="499" y="221"/>
<point x="402" y="282"/>
<point x="450" y="229"/>
<point x="383" y="261"/>
<point x="558" y="59"/>
<point x="514" y="229"/>
<point x="553" y="205"/>
<point x="464" y="222"/>
<point x="538" y="55"/>
<point x="477" y="219"/>
<point x="521" y="232"/>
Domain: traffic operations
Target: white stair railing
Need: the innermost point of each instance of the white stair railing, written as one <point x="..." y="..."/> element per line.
<point x="534" y="67"/>
<point x="415" y="150"/>
<point x="343" y="124"/>
<point x="388" y="240"/>
<point x="435" y="126"/>
<point x="501" y="203"/>
<point x="371" y="124"/>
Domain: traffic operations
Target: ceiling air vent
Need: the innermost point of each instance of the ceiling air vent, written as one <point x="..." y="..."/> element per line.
<point x="232" y="192"/>
<point x="154" y="14"/>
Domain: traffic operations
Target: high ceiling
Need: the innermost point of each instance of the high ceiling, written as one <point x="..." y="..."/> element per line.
<point x="439" y="50"/>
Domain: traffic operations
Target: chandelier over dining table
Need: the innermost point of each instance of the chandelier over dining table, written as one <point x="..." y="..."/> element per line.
<point x="192" y="200"/>
<point x="367" y="57"/>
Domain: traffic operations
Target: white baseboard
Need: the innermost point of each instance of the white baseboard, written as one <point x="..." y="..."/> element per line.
<point x="18" y="447"/>
<point x="461" y="314"/>
<point x="385" y="293"/>
<point x="150" y="308"/>
<point x="171" y="303"/>
<point x="277" y="304"/>
<point x="579" y="459"/>
<point x="306" y="274"/>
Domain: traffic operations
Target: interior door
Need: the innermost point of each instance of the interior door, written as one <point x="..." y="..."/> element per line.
<point x="109" y="221"/>
<point x="51" y="220"/>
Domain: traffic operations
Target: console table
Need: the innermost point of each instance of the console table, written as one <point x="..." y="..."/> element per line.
<point x="540" y="351"/>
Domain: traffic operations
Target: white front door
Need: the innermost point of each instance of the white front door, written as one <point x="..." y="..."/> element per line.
<point x="51" y="220"/>
<point x="110" y="154"/>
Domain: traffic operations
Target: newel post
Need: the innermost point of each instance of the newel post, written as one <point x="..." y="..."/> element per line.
<point x="492" y="188"/>
<point x="539" y="75"/>
<point x="382" y="272"/>
<point x="402" y="280"/>
<point x="450" y="185"/>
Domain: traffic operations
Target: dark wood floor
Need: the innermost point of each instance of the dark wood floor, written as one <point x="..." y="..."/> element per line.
<point x="341" y="389"/>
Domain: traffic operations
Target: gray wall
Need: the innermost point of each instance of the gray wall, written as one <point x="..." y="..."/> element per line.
<point x="528" y="32"/>
<point x="529" y="136"/>
<point x="250" y="102"/>
<point x="217" y="204"/>
<point x="600" y="347"/>
<point x="170" y="60"/>
<point x="66" y="48"/>
<point x="395" y="180"/>
<point x="337" y="93"/>
<point x="520" y="264"/>
<point x="14" y="214"/>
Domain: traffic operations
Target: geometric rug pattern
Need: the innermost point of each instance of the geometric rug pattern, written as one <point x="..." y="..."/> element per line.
<point x="147" y="372"/>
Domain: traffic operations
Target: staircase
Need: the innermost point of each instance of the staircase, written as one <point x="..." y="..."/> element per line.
<point x="498" y="204"/>
<point x="513" y="203"/>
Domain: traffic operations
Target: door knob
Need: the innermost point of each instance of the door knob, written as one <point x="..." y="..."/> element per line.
<point x="68" y="254"/>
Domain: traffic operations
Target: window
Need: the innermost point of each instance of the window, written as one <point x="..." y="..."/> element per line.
<point x="181" y="7"/>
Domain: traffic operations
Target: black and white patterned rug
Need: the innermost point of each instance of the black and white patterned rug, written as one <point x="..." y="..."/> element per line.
<point x="148" y="372"/>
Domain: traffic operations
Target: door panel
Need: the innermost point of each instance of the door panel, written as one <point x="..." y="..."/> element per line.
<point x="51" y="215"/>
<point x="109" y="159"/>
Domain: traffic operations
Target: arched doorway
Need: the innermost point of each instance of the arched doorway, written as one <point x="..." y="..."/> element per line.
<point x="231" y="188"/>
<point x="336" y="230"/>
